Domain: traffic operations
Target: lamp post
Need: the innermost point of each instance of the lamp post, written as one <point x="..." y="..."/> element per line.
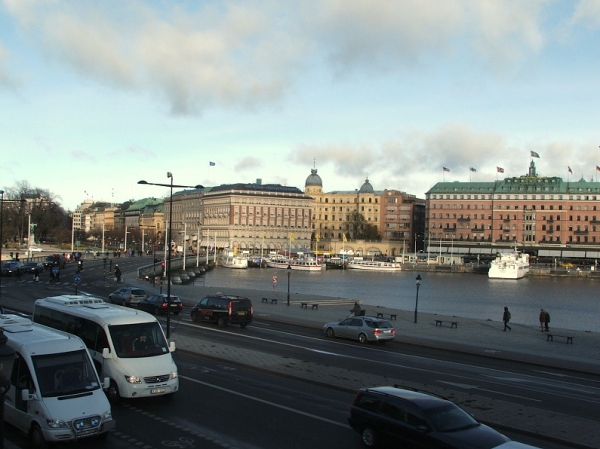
<point x="7" y="359"/>
<point x="417" y="301"/>
<point x="1" y="237"/>
<point x="169" y="253"/>
<point x="289" y="271"/>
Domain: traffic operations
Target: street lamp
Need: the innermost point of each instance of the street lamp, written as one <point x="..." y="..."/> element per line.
<point x="417" y="301"/>
<point x="289" y="271"/>
<point x="1" y="237"/>
<point x="168" y="261"/>
<point x="7" y="359"/>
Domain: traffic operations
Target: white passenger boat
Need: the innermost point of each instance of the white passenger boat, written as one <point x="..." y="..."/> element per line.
<point x="234" y="261"/>
<point x="295" y="264"/>
<point x="511" y="265"/>
<point x="374" y="265"/>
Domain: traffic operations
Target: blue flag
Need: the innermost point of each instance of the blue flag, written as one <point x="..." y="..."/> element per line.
<point x="212" y="164"/>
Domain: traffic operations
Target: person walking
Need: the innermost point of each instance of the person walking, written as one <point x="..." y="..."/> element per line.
<point x="506" y="318"/>
<point x="546" y="321"/>
<point x="542" y="319"/>
<point x="118" y="273"/>
<point x="355" y="310"/>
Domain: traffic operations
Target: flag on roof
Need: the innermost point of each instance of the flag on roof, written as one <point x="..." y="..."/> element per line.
<point x="500" y="169"/>
<point x="569" y="168"/>
<point x="597" y="168"/>
<point x="211" y="164"/>
<point x="472" y="169"/>
<point x="445" y="169"/>
<point x="534" y="154"/>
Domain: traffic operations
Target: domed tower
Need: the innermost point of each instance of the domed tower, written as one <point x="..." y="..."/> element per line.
<point x="366" y="187"/>
<point x="313" y="185"/>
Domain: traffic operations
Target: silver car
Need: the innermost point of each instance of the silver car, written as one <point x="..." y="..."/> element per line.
<point x="361" y="328"/>
<point x="127" y="296"/>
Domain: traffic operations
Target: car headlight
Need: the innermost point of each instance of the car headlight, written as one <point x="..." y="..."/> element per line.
<point x="133" y="379"/>
<point x="56" y="423"/>
<point x="174" y="375"/>
<point x="107" y="416"/>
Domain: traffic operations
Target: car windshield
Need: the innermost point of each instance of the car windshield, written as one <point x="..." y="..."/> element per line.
<point x="137" y="292"/>
<point x="65" y="373"/>
<point x="138" y="340"/>
<point x="450" y="418"/>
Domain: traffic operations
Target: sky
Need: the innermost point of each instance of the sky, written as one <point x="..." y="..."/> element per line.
<point x="95" y="96"/>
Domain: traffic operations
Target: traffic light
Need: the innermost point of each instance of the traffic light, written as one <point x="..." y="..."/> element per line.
<point x="11" y="254"/>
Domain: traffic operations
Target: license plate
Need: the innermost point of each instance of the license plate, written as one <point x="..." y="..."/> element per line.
<point x="157" y="390"/>
<point x="241" y="313"/>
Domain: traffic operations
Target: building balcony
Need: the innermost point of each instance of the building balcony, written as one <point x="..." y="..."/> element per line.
<point x="581" y="232"/>
<point x="464" y="219"/>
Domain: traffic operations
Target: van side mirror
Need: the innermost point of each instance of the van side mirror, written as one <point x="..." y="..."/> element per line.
<point x="171" y="346"/>
<point x="106" y="383"/>
<point x="26" y="396"/>
<point x="106" y="353"/>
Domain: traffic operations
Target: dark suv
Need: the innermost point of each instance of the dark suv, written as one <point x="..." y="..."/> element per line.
<point x="406" y="418"/>
<point x="223" y="309"/>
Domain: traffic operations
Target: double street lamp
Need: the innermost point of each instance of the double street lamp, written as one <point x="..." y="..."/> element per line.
<point x="168" y="261"/>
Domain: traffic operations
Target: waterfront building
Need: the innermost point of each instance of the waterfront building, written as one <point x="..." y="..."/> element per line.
<point x="534" y="212"/>
<point x="244" y="216"/>
<point x="397" y="217"/>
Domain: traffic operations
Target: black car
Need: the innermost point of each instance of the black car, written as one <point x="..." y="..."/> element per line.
<point x="51" y="261"/>
<point x="12" y="268"/>
<point x="407" y="418"/>
<point x="157" y="304"/>
<point x="223" y="309"/>
<point x="30" y="267"/>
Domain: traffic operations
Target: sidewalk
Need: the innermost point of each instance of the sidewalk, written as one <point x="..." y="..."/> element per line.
<point x="481" y="337"/>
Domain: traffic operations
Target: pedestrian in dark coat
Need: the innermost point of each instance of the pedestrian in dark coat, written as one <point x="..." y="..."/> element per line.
<point x="505" y="319"/>
<point x="546" y="321"/>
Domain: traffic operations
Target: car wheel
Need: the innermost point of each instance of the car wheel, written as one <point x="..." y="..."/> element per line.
<point x="369" y="438"/>
<point x="330" y="333"/>
<point x="113" y="393"/>
<point x="124" y="303"/>
<point x="221" y="321"/>
<point x="156" y="311"/>
<point x="362" y="338"/>
<point x="37" y="437"/>
<point x="195" y="317"/>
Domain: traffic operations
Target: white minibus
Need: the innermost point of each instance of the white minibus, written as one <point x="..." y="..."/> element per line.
<point x="55" y="393"/>
<point x="127" y="345"/>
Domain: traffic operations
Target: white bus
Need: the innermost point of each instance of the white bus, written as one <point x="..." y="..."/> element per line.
<point x="55" y="392"/>
<point x="127" y="345"/>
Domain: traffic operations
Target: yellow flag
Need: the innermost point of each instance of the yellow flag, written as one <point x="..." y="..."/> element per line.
<point x="292" y="236"/>
<point x="318" y="237"/>
<point x="345" y="239"/>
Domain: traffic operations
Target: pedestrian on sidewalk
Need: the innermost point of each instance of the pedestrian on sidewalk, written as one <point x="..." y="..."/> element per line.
<point x="546" y="321"/>
<point x="542" y="319"/>
<point x="506" y="318"/>
<point x="356" y="309"/>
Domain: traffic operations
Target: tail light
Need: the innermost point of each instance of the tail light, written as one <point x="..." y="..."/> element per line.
<point x="230" y="308"/>
<point x="252" y="310"/>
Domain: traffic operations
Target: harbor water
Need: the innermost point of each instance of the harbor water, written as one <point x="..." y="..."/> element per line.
<point x="572" y="303"/>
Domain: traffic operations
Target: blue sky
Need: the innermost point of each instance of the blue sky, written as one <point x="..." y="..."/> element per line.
<point x="95" y="96"/>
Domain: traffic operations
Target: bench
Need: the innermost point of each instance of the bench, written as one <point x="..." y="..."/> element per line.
<point x="550" y="337"/>
<point x="273" y="300"/>
<point x="452" y="323"/>
<point x="304" y="305"/>
<point x="392" y="315"/>
<point x="265" y="300"/>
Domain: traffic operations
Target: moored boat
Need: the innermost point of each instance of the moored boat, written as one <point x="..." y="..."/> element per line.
<point x="335" y="263"/>
<point x="511" y="265"/>
<point x="235" y="261"/>
<point x="374" y="265"/>
<point x="295" y="264"/>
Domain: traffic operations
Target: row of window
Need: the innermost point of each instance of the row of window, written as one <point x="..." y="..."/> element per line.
<point x="514" y="197"/>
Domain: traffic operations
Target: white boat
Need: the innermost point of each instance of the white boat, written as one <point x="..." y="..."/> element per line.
<point x="374" y="265"/>
<point x="511" y="265"/>
<point x="295" y="264"/>
<point x="235" y="261"/>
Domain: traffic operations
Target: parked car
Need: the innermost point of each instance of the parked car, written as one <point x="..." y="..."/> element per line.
<point x="407" y="418"/>
<point x="127" y="296"/>
<point x="223" y="309"/>
<point x="34" y="249"/>
<point x="30" y="267"/>
<point x="157" y="304"/>
<point x="12" y="268"/>
<point x="361" y="328"/>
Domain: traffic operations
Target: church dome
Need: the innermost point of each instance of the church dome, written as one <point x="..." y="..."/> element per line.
<point x="366" y="187"/>
<point x="313" y="179"/>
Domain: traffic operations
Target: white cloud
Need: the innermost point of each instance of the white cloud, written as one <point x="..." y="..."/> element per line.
<point x="587" y="12"/>
<point x="245" y="55"/>
<point x="248" y="164"/>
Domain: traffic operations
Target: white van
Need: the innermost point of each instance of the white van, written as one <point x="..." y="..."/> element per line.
<point x="127" y="345"/>
<point x="55" y="392"/>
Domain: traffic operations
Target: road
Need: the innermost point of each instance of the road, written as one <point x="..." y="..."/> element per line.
<point x="226" y="404"/>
